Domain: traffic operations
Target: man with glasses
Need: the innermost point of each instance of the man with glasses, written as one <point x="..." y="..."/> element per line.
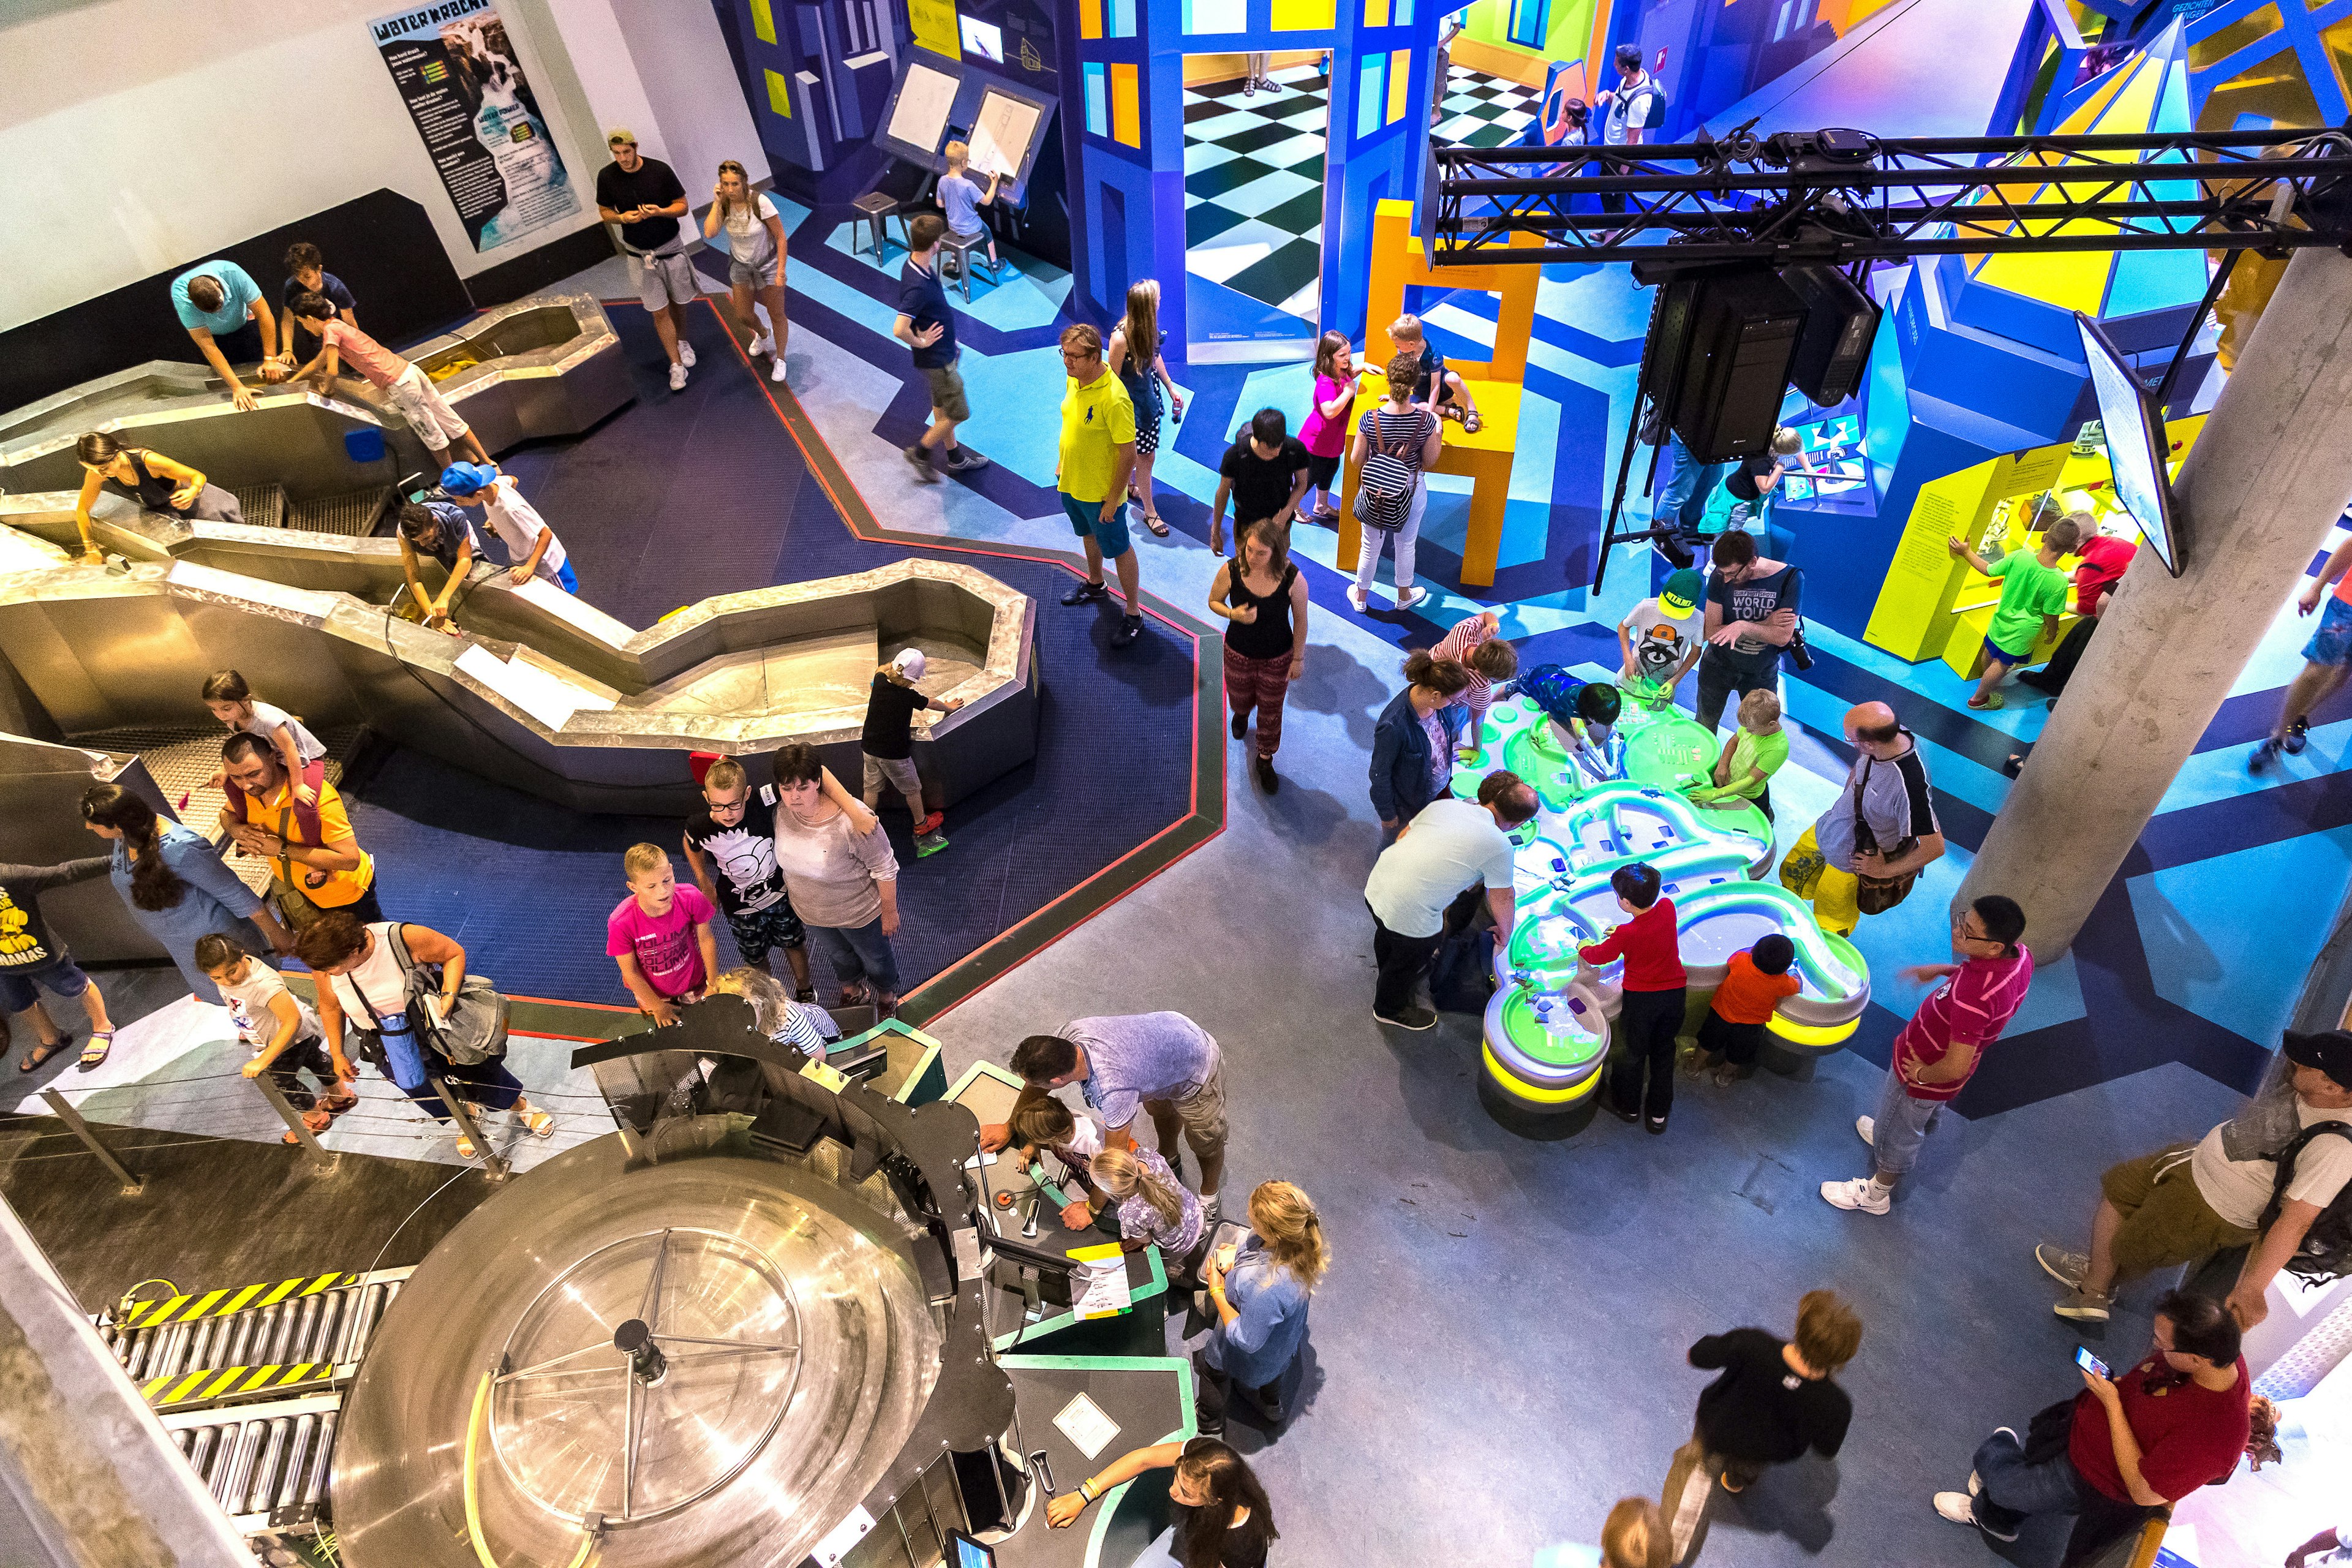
<point x="644" y="196"/>
<point x="1097" y="455"/>
<point x="1939" y="1048"/>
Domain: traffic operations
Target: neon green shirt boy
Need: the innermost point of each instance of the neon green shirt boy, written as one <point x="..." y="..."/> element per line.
<point x="2029" y="591"/>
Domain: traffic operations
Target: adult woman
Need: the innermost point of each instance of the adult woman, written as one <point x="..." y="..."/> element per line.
<point x="152" y="480"/>
<point x="1260" y="1291"/>
<point x="843" y="884"/>
<point x="362" y="979"/>
<point x="1133" y="355"/>
<point x="1260" y="592"/>
<point x="1751" y="615"/>
<point x="1410" y="434"/>
<point x="174" y="883"/>
<point x="755" y="266"/>
<point x="1324" y="431"/>
<point x="1413" y="744"/>
<point x="1223" y="1518"/>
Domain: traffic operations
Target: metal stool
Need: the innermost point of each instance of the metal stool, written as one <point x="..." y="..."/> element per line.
<point x="875" y="208"/>
<point x="962" y="248"/>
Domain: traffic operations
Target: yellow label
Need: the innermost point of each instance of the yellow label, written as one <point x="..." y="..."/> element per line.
<point x="1106" y="1253"/>
<point x="825" y="1076"/>
<point x="933" y="23"/>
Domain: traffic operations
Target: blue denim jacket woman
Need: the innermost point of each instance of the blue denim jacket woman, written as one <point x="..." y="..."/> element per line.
<point x="1260" y="1292"/>
<point x="1408" y="770"/>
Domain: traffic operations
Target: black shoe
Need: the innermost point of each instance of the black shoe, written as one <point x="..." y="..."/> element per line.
<point x="2299" y="733"/>
<point x="2037" y="678"/>
<point x="1268" y="779"/>
<point x="1268" y="1400"/>
<point x="1129" y="629"/>
<point x="922" y="462"/>
<point x="1654" y="1125"/>
<point x="1241" y="725"/>
<point x="1630" y="1117"/>
<point x="1408" y="1019"/>
<point x="964" y="460"/>
<point x="1087" y="593"/>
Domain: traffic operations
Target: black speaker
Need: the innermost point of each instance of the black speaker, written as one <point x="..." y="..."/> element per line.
<point x="1744" y="330"/>
<point x="1840" y="320"/>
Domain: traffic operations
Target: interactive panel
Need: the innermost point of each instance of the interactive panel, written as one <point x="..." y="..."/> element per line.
<point x="916" y="121"/>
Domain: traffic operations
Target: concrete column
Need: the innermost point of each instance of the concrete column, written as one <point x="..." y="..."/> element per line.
<point x="2256" y="497"/>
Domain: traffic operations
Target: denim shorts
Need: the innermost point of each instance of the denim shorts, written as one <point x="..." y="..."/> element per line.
<point x="1086" y="517"/>
<point x="61" y="976"/>
<point x="2332" y="643"/>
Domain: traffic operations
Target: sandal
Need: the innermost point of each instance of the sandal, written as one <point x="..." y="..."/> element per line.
<point x="1472" y="423"/>
<point x="465" y="1147"/>
<point x="539" y="1123"/>
<point x="41" y="1054"/>
<point x="318" y="1120"/>
<point x="1994" y="700"/>
<point x="856" y="995"/>
<point x="336" y="1104"/>
<point x="94" y="1053"/>
<point x="1151" y="520"/>
<point x="806" y="994"/>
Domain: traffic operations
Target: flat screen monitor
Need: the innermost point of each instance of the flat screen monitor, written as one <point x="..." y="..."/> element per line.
<point x="963" y="1552"/>
<point x="984" y="39"/>
<point x="2137" y="448"/>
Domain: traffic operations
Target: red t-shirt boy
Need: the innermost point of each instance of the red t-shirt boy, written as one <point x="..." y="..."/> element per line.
<point x="1651" y="1014"/>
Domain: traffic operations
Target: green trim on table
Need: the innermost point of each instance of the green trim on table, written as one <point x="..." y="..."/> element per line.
<point x="925" y="1079"/>
<point x="1046" y="1326"/>
<point x="1107" y="1505"/>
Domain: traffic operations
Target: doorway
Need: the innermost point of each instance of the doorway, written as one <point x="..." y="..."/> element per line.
<point x="1254" y="203"/>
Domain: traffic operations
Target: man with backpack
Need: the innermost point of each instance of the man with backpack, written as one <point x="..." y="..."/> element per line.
<point x="1636" y="106"/>
<point x="2272" y="1179"/>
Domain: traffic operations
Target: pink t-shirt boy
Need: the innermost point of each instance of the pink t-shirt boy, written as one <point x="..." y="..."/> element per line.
<point x="660" y="936"/>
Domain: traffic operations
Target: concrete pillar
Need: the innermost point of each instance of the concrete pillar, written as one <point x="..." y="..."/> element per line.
<point x="2256" y="497"/>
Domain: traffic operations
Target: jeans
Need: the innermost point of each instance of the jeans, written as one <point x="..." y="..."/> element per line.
<point x="2015" y="1491"/>
<point x="493" y="1088"/>
<point x="1684" y="501"/>
<point x="1899" y="1125"/>
<point x="1647" y="1022"/>
<point x="1723" y="674"/>
<point x="859" y="953"/>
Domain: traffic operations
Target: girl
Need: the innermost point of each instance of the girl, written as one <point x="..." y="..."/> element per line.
<point x="1260" y="1291"/>
<point x="155" y="481"/>
<point x="755" y="266"/>
<point x="1041" y="1121"/>
<point x="1222" y="1517"/>
<point x="1324" y="431"/>
<point x="175" y="886"/>
<point x="1410" y="434"/>
<point x="1478" y="644"/>
<point x="1155" y="1209"/>
<point x="298" y="750"/>
<point x="1262" y="594"/>
<point x="1133" y="355"/>
<point x="282" y="1031"/>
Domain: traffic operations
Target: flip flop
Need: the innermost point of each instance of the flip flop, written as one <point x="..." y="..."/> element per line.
<point x="335" y="1105"/>
<point x="40" y="1056"/>
<point x="317" y="1120"/>
<point x="1151" y="520"/>
<point x="94" y="1053"/>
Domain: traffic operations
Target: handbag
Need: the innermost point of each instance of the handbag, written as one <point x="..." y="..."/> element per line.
<point x="470" y="1030"/>
<point x="397" y="1052"/>
<point x="1384" y="485"/>
<point x="1876" y="894"/>
<point x="1799" y="653"/>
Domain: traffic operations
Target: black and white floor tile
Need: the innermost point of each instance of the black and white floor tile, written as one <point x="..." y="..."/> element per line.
<point x="1486" y="112"/>
<point x="1254" y="187"/>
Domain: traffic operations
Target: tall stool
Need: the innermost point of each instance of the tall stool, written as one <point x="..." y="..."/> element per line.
<point x="962" y="248"/>
<point x="876" y="207"/>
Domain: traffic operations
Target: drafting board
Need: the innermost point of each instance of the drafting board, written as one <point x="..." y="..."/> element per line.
<point x="919" y="118"/>
<point x="1001" y="133"/>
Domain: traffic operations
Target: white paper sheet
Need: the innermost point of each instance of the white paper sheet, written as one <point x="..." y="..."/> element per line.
<point x="1082" y="1421"/>
<point x="1001" y="136"/>
<point x="924" y="103"/>
<point x="1103" y="1292"/>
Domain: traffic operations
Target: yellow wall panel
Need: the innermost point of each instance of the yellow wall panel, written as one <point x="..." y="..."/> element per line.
<point x="763" y="22"/>
<point x="1400" y="78"/>
<point x="1126" y="106"/>
<point x="779" y="95"/>
<point x="1090" y="18"/>
<point x="1376" y="12"/>
<point x="1296" y="15"/>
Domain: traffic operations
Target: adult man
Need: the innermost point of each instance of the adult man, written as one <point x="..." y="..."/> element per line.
<point x="1097" y="454"/>
<point x="1635" y="105"/>
<point x="2180" y="1205"/>
<point x="227" y="320"/>
<point x="1940" y="1048"/>
<point x="642" y="195"/>
<point x="736" y="829"/>
<point x="316" y="861"/>
<point x="407" y="388"/>
<point x="1162" y="1063"/>
<point x="1884" y="806"/>
<point x="2325" y="659"/>
<point x="306" y="273"/>
<point x="1265" y="472"/>
<point x="1417" y="889"/>
<point x="926" y="325"/>
<point x="2175" y="1422"/>
<point x="1751" y="615"/>
<point x="441" y="530"/>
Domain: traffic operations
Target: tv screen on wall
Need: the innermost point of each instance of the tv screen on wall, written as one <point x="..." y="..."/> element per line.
<point x="1019" y="39"/>
<point x="981" y="40"/>
<point x="2137" y="447"/>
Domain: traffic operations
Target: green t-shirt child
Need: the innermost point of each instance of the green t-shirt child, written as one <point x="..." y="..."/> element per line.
<point x="2029" y="591"/>
<point x="1750" y="751"/>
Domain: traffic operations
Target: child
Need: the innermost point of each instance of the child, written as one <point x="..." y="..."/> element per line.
<point x="1155" y="1209"/>
<point x="775" y="1015"/>
<point x="408" y="389"/>
<point x="889" y="743"/>
<point x="1041" y="1121"/>
<point x="1325" y="432"/>
<point x="961" y="197"/>
<point x="442" y="530"/>
<point x="660" y="935"/>
<point x="32" y="960"/>
<point x="1751" y="755"/>
<point x="1754" y="984"/>
<point x="2032" y="597"/>
<point x="1439" y="390"/>
<point x="298" y="750"/>
<point x="530" y="545"/>
<point x="1584" y="711"/>
<point x="736" y="830"/>
<point x="281" y="1031"/>
<point x="1475" y="643"/>
<point x="1658" y="639"/>
<point x="1651" y="1014"/>
<point x="306" y="273"/>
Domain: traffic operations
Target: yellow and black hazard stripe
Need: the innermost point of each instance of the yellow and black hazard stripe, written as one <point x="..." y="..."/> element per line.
<point x="220" y="1382"/>
<point x="221" y="1303"/>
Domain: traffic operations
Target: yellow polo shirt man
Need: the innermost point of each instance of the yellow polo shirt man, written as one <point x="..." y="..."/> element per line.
<point x="1097" y="455"/>
<point x="325" y="866"/>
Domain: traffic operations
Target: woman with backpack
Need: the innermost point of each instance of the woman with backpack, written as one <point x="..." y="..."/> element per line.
<point x="1395" y="443"/>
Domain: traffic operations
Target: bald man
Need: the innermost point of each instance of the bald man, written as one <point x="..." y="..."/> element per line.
<point x="1882" y="825"/>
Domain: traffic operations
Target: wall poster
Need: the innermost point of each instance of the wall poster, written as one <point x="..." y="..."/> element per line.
<point x="473" y="107"/>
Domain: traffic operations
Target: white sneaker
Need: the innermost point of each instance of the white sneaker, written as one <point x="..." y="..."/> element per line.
<point x="1411" y="598"/>
<point x="677" y="375"/>
<point x="1867" y="1127"/>
<point x="763" y="344"/>
<point x="686" y="353"/>
<point x="777" y="372"/>
<point x="1358" y="600"/>
<point x="1958" y="1506"/>
<point x="1861" y="1196"/>
<point x="1976" y="1484"/>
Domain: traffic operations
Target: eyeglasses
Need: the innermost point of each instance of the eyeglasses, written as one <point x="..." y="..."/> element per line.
<point x="734" y="810"/>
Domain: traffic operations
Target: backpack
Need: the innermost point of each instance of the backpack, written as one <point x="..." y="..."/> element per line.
<point x="1384" y="486"/>
<point x="2326" y="1253"/>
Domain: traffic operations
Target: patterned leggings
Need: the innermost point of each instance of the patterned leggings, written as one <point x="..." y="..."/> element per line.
<point x="1259" y="683"/>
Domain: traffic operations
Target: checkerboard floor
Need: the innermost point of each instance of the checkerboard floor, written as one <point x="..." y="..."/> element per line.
<point x="1483" y="110"/>
<point x="1254" y="187"/>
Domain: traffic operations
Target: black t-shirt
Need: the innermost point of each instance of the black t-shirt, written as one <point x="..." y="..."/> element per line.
<point x="330" y="286"/>
<point x="1755" y="599"/>
<point x="890" y="719"/>
<point x="1262" y="486"/>
<point x="652" y="185"/>
<point x="744" y="853"/>
<point x="1742" y="483"/>
<point x="923" y="301"/>
<point x="1760" y="1410"/>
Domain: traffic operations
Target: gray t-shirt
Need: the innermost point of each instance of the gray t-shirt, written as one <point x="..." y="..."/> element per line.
<point x="1894" y="801"/>
<point x="1138" y="1057"/>
<point x="831" y="872"/>
<point x="1450" y="845"/>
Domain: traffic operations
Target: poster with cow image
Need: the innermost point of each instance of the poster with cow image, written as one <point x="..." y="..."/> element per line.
<point x="473" y="107"/>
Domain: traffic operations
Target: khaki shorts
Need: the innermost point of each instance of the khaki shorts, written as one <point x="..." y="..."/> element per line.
<point x="2166" y="1219"/>
<point x="427" y="412"/>
<point x="1201" y="1114"/>
<point x="666" y="280"/>
<point x="947" y="392"/>
<point x="898" y="773"/>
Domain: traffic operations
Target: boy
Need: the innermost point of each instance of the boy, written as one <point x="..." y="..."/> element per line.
<point x="1754" y="985"/>
<point x="306" y="273"/>
<point x="926" y="326"/>
<point x="1041" y="1122"/>
<point x="530" y="545"/>
<point x="281" y="1030"/>
<point x="442" y="530"/>
<point x="2325" y="659"/>
<point x="1658" y="639"/>
<point x="32" y="960"/>
<point x="1440" y="390"/>
<point x="1584" y="712"/>
<point x="889" y="743"/>
<point x="1751" y="755"/>
<point x="962" y="198"/>
<point x="1265" y="471"/>
<point x="660" y="935"/>
<point x="2032" y="597"/>
<point x="408" y="389"/>
<point x="1651" y="1014"/>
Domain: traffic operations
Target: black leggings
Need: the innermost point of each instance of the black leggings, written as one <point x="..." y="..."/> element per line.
<point x="1647" y="1022"/>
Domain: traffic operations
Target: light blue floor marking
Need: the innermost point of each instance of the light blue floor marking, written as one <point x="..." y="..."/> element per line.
<point x="2231" y="938"/>
<point x="1029" y="294"/>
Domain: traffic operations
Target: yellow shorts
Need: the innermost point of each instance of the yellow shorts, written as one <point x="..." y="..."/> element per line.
<point x="1833" y="893"/>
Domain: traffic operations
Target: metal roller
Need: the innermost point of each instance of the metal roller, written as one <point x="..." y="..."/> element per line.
<point x="322" y="1458"/>
<point x="370" y="1307"/>
<point x="235" y="1339"/>
<point x="334" y="1325"/>
<point x="299" y="1456"/>
<point x="281" y="1334"/>
<point x="159" y="1351"/>
<point x="132" y="1352"/>
<point x="262" y="1486"/>
<point x="302" y="1344"/>
<point x="200" y="1449"/>
<point x="231" y="1480"/>
<point x="184" y="1439"/>
<point x="202" y="1339"/>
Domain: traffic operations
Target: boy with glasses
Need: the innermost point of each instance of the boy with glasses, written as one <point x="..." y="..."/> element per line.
<point x="736" y="829"/>
<point x="1097" y="456"/>
<point x="1939" y="1048"/>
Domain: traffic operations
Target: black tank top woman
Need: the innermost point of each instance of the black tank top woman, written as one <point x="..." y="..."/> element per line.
<point x="1270" y="636"/>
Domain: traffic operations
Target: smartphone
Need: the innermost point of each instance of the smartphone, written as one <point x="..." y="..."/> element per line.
<point x="2089" y="1362"/>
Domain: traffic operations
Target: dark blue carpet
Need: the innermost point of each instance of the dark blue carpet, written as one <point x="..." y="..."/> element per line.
<point x="678" y="497"/>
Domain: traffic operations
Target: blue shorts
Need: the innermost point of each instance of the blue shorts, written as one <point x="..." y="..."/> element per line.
<point x="1999" y="655"/>
<point x="564" y="576"/>
<point x="2332" y="643"/>
<point x="61" y="976"/>
<point x="1086" y="517"/>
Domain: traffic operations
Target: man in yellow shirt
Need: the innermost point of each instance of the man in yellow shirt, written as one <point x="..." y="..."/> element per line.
<point x="1097" y="455"/>
<point x="314" y="855"/>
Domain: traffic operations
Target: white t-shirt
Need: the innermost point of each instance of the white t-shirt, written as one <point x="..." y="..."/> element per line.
<point x="1450" y="845"/>
<point x="1660" y="642"/>
<point x="267" y="720"/>
<point x="2239" y="1190"/>
<point x="742" y="222"/>
<point x="517" y="522"/>
<point x="248" y="1006"/>
<point x="1633" y="106"/>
